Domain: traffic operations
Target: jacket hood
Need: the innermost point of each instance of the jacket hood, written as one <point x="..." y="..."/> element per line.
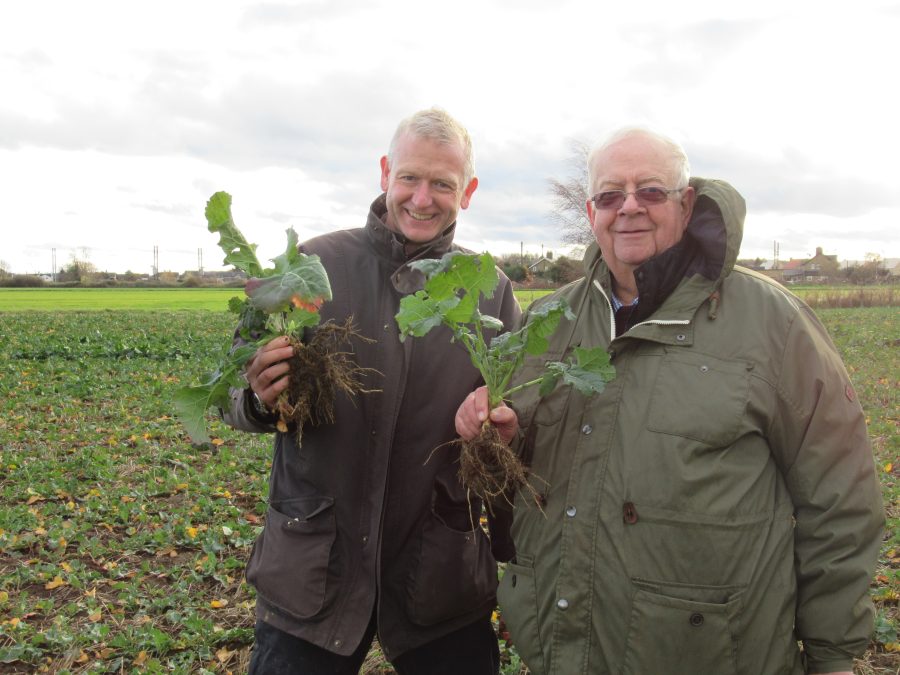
<point x="713" y="236"/>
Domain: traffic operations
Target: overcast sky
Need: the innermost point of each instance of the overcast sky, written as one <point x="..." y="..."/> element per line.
<point x="119" y="119"/>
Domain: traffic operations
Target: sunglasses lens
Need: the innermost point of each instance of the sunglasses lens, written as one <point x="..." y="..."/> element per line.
<point x="651" y="195"/>
<point x="609" y="200"/>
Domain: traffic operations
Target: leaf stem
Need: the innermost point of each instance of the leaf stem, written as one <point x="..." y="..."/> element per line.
<point x="520" y="387"/>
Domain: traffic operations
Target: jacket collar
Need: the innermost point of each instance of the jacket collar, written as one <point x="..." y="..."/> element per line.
<point x="392" y="245"/>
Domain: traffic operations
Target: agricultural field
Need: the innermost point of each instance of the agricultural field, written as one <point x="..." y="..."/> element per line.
<point x="122" y="546"/>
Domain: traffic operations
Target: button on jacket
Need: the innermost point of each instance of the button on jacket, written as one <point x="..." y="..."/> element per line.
<point x="717" y="502"/>
<point x="370" y="509"/>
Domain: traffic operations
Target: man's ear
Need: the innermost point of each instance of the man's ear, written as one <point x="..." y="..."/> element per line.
<point x="467" y="194"/>
<point x="688" y="198"/>
<point x="385" y="173"/>
<point x="589" y="205"/>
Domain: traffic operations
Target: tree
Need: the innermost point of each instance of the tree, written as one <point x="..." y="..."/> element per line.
<point x="4" y="269"/>
<point x="565" y="270"/>
<point x="80" y="268"/>
<point x="517" y="272"/>
<point x="873" y="262"/>
<point x="570" y="197"/>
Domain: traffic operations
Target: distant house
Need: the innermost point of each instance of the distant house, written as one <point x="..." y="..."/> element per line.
<point x="813" y="270"/>
<point x="892" y="267"/>
<point x="540" y="266"/>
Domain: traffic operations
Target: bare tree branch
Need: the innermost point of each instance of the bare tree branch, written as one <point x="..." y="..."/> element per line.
<point x="570" y="197"/>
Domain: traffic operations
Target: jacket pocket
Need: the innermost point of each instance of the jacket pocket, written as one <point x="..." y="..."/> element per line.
<point x="671" y="635"/>
<point x="452" y="573"/>
<point x="517" y="595"/>
<point x="289" y="563"/>
<point x="716" y="393"/>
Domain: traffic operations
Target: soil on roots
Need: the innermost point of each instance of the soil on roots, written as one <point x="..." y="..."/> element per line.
<point x="319" y="371"/>
<point x="489" y="468"/>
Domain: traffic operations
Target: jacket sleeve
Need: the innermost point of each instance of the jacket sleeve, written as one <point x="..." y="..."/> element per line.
<point x="239" y="414"/>
<point x="819" y="436"/>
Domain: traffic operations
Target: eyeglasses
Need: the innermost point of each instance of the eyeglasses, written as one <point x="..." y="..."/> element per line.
<point x="646" y="196"/>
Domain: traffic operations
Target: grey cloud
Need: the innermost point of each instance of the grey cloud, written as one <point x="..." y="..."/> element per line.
<point x="280" y="13"/>
<point x="678" y="56"/>
<point x="793" y="183"/>
<point x="326" y="128"/>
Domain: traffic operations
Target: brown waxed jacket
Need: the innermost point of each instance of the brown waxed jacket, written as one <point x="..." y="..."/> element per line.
<point x="370" y="509"/>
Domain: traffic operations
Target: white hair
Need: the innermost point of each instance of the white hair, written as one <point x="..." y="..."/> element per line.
<point x="681" y="167"/>
<point x="436" y="124"/>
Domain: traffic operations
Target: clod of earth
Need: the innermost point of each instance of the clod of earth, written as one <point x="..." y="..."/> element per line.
<point x="319" y="371"/>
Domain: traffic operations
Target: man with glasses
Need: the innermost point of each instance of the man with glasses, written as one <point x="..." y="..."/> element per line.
<point x="368" y="528"/>
<point x="717" y="503"/>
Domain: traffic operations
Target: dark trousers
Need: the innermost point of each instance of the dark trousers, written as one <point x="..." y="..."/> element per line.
<point x="471" y="650"/>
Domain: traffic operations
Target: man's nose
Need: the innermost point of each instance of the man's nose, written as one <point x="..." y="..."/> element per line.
<point x="422" y="194"/>
<point x="631" y="204"/>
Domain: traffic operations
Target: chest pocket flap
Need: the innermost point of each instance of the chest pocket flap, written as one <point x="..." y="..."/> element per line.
<point x="700" y="397"/>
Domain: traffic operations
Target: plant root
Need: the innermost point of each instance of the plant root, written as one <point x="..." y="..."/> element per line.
<point x="319" y="371"/>
<point x="491" y="470"/>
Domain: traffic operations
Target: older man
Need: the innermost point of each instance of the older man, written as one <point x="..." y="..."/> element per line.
<point x="717" y="503"/>
<point x="367" y="531"/>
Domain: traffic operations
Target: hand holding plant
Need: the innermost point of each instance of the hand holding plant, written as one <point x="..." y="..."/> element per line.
<point x="453" y="287"/>
<point x="280" y="301"/>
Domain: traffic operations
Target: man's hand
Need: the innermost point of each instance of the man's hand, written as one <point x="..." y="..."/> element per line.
<point x="267" y="370"/>
<point x="474" y="411"/>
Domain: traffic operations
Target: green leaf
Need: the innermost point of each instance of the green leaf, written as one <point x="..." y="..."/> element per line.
<point x="192" y="402"/>
<point x="588" y="371"/>
<point x="549" y="382"/>
<point x="238" y="251"/>
<point x="304" y="284"/>
<point x="489" y="322"/>
<point x="420" y="313"/>
<point x="474" y="275"/>
<point x="542" y="322"/>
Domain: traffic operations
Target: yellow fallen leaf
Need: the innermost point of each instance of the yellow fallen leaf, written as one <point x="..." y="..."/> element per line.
<point x="224" y="655"/>
<point x="40" y="531"/>
<point x="82" y="658"/>
<point x="91" y="593"/>
<point x="191" y="532"/>
<point x="217" y="441"/>
<point x="95" y="616"/>
<point x="66" y="566"/>
<point x="140" y="658"/>
<point x="34" y="498"/>
<point x="892" y="647"/>
<point x="888" y="467"/>
<point x="13" y="622"/>
<point x="218" y="604"/>
<point x="56" y="583"/>
<point x="4" y="596"/>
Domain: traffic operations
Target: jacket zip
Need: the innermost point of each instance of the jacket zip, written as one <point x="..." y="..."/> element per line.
<point x="656" y="322"/>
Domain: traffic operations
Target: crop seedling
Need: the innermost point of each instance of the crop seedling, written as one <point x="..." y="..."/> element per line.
<point x="280" y="301"/>
<point x="453" y="287"/>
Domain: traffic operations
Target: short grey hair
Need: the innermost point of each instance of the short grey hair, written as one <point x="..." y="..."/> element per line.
<point x="680" y="164"/>
<point x="436" y="124"/>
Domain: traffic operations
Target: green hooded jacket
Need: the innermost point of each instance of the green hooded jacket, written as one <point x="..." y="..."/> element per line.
<point x="717" y="502"/>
